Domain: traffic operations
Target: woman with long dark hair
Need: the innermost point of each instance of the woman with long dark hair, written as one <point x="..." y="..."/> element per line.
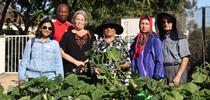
<point x="42" y="56"/>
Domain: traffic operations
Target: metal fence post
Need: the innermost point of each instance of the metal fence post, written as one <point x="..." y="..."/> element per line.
<point x="204" y="34"/>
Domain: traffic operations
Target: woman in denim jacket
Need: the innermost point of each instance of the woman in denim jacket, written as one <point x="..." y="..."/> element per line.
<point x="42" y="55"/>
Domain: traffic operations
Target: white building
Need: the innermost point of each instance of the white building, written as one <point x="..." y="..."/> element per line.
<point x="131" y="28"/>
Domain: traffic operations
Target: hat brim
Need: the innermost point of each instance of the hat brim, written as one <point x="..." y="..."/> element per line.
<point x="117" y="27"/>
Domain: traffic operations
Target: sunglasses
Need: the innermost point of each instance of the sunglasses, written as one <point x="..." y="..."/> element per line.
<point x="166" y="21"/>
<point x="109" y="27"/>
<point x="49" y="28"/>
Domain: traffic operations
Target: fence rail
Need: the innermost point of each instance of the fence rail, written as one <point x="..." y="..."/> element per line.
<point x="14" y="47"/>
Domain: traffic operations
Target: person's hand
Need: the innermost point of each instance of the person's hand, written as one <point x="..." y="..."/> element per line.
<point x="82" y="70"/>
<point x="176" y="81"/>
<point x="79" y="64"/>
<point x="125" y="65"/>
<point x="86" y="61"/>
<point x="97" y="70"/>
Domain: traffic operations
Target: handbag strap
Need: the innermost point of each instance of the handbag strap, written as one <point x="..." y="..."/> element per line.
<point x="32" y="43"/>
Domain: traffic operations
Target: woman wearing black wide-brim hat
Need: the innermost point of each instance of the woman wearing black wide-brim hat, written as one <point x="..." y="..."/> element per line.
<point x="107" y="31"/>
<point x="109" y="23"/>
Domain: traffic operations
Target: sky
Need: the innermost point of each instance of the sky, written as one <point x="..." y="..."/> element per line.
<point x="203" y="3"/>
<point x="198" y="12"/>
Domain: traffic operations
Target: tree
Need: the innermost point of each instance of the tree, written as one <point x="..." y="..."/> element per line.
<point x="101" y="9"/>
<point x="3" y="15"/>
<point x="29" y="11"/>
<point x="97" y="10"/>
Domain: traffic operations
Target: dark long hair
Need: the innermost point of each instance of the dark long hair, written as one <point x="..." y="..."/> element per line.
<point x="39" y="33"/>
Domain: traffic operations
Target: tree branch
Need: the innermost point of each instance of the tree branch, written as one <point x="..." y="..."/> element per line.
<point x="4" y="15"/>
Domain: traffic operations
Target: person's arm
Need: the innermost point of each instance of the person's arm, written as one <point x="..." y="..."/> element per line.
<point x="63" y="44"/>
<point x="181" y="70"/>
<point x="58" y="61"/>
<point x="72" y="60"/>
<point x="25" y="61"/>
<point x="125" y="56"/>
<point x="157" y="51"/>
<point x="184" y="53"/>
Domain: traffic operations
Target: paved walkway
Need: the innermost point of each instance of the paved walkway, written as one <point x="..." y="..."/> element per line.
<point x="8" y="80"/>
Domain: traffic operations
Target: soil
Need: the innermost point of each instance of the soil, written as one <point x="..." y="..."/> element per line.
<point x="8" y="80"/>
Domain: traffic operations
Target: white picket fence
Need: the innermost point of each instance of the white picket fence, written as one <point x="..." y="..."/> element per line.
<point x="12" y="46"/>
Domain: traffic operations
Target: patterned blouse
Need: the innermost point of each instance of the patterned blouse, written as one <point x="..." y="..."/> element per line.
<point x="121" y="45"/>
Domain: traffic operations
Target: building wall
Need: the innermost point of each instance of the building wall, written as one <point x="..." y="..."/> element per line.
<point x="131" y="28"/>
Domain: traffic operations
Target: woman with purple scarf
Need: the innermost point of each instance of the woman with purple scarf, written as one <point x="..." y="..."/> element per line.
<point x="147" y="52"/>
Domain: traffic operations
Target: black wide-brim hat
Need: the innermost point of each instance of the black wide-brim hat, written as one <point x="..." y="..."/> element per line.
<point x="109" y="23"/>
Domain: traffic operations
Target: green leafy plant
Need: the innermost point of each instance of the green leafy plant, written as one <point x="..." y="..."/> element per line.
<point x="196" y="89"/>
<point x="109" y="77"/>
<point x="3" y="95"/>
<point x="109" y="86"/>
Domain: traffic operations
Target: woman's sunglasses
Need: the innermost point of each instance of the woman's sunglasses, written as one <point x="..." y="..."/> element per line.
<point x="109" y="27"/>
<point x="166" y="21"/>
<point x="49" y="28"/>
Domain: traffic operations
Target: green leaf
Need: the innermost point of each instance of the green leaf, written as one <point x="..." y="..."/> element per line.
<point x="58" y="79"/>
<point x="68" y="92"/>
<point x="198" y="98"/>
<point x="139" y="97"/>
<point x="192" y="87"/>
<point x="71" y="79"/>
<point x="35" y="89"/>
<point x="174" y="95"/>
<point x="199" y="77"/>
<point x="1" y="89"/>
<point x="89" y="88"/>
<point x="98" y="58"/>
<point x="4" y="97"/>
<point x="113" y="54"/>
<point x="205" y="92"/>
<point x="99" y="92"/>
<point x="14" y="91"/>
<point x="38" y="97"/>
<point x="101" y="77"/>
<point x="156" y="97"/>
<point x="83" y="97"/>
<point x="25" y="98"/>
<point x="204" y="71"/>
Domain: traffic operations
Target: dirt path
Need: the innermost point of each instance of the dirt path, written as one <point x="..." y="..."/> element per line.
<point x="8" y="79"/>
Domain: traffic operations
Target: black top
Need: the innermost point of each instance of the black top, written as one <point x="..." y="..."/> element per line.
<point x="75" y="46"/>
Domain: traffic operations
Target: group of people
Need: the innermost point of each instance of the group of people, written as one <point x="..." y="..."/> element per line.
<point x="162" y="55"/>
<point x="59" y="47"/>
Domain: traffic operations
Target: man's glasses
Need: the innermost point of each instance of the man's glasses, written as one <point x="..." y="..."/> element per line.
<point x="49" y="28"/>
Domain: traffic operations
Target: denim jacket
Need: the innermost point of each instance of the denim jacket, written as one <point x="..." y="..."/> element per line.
<point x="45" y="60"/>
